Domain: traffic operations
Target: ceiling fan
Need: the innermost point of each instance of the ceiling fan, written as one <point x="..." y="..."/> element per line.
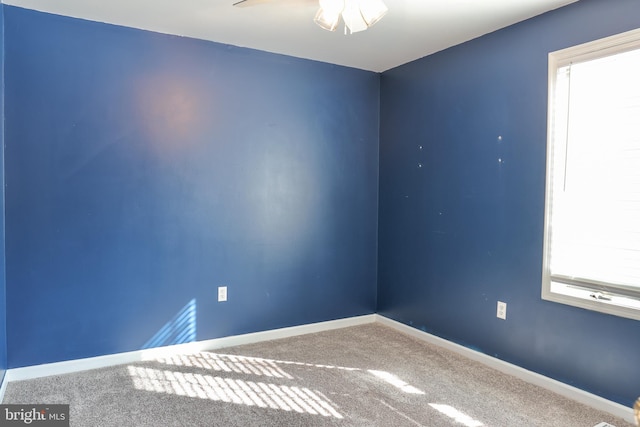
<point x="358" y="15"/>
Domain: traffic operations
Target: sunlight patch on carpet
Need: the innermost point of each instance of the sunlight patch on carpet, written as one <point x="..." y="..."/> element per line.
<point x="396" y="382"/>
<point x="267" y="367"/>
<point x="250" y="393"/>
<point x="227" y="363"/>
<point x="239" y="364"/>
<point x="456" y="415"/>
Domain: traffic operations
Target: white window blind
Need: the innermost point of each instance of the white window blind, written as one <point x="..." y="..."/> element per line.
<point x="592" y="242"/>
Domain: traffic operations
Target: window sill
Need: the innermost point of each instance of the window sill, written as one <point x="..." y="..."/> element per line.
<point x="617" y="305"/>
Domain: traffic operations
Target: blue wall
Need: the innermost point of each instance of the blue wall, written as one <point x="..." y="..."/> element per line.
<point x="465" y="230"/>
<point x="145" y="170"/>
<point x="3" y="303"/>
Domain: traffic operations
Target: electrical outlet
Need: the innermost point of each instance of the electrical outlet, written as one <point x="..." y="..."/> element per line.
<point x="222" y="293"/>
<point x="502" y="310"/>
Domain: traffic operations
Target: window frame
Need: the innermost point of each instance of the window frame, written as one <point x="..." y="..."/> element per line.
<point x="623" y="304"/>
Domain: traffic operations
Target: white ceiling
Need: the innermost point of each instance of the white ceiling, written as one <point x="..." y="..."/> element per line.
<point x="411" y="29"/>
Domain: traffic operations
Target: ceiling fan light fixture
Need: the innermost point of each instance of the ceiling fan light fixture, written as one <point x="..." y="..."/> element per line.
<point x="327" y="20"/>
<point x="372" y="11"/>
<point x="358" y="15"/>
<point x="332" y="6"/>
<point x="352" y="16"/>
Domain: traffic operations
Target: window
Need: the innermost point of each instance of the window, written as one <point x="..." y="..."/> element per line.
<point x="592" y="218"/>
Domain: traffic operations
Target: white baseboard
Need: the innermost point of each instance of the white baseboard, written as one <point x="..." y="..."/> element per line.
<point x="59" y="368"/>
<point x="531" y="377"/>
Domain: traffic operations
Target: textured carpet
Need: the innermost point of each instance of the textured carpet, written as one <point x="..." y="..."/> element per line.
<point x="368" y="375"/>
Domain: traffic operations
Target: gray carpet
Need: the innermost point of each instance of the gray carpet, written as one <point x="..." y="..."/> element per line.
<point x="368" y="375"/>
